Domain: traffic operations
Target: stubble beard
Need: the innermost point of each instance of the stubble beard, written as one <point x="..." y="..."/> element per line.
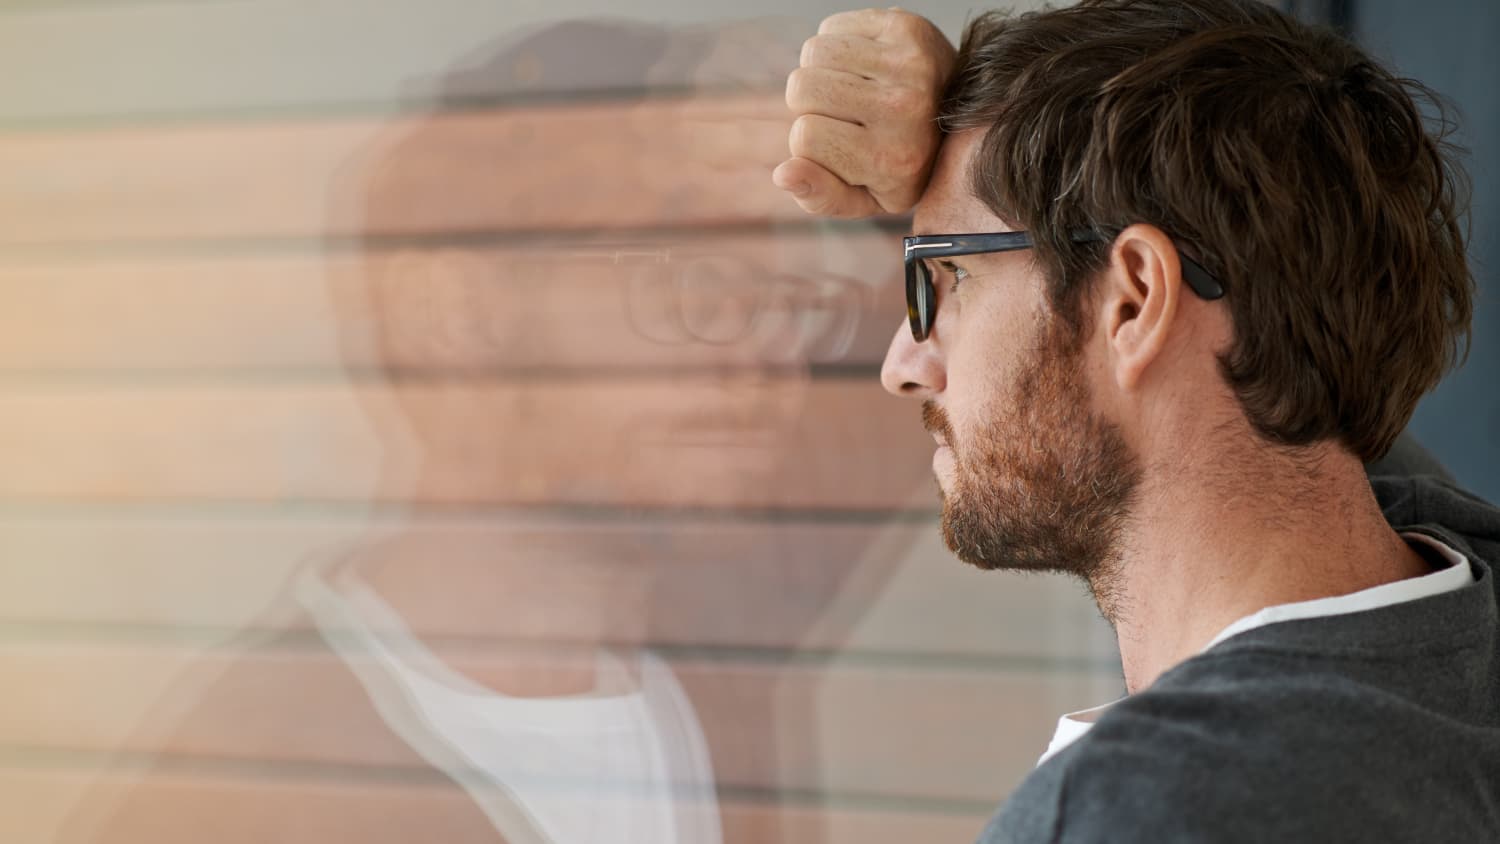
<point x="1046" y="484"/>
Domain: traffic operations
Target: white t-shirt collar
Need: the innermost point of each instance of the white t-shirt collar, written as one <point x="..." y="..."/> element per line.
<point x="1456" y="575"/>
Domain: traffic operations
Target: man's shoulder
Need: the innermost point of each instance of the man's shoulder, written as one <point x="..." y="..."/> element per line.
<point x="1204" y="758"/>
<point x="1157" y="766"/>
<point x="1259" y="717"/>
<point x="1213" y="732"/>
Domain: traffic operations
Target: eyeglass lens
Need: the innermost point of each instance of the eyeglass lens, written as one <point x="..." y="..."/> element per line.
<point x="919" y="299"/>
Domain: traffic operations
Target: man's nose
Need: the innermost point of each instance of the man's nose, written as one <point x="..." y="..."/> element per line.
<point x="912" y="369"/>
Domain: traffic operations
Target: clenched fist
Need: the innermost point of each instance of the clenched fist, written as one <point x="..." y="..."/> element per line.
<point x="866" y="100"/>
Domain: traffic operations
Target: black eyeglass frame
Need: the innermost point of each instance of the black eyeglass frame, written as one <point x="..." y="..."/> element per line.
<point x="921" y="297"/>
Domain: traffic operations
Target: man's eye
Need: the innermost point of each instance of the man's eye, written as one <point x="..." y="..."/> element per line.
<point x="958" y="273"/>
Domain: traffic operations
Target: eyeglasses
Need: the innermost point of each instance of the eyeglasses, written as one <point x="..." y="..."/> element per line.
<point x="921" y="298"/>
<point x="676" y="297"/>
<point x="466" y="305"/>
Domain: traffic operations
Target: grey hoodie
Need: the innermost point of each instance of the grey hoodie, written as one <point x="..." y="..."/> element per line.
<point x="1380" y="725"/>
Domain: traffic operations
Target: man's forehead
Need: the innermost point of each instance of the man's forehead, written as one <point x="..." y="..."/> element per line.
<point x="939" y="218"/>
<point x="948" y="206"/>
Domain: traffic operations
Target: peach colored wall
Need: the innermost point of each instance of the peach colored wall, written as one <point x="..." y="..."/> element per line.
<point x="443" y="354"/>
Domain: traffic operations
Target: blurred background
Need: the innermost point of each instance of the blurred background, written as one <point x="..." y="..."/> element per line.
<point x="425" y="421"/>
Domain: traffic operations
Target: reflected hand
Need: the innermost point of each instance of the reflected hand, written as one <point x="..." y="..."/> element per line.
<point x="866" y="99"/>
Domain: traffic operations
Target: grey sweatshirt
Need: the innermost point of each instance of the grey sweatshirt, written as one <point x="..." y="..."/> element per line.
<point x="1380" y="725"/>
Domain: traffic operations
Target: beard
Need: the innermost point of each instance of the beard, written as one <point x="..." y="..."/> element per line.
<point x="1045" y="484"/>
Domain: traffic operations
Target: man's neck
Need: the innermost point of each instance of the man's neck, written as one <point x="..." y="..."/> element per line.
<point x="1210" y="548"/>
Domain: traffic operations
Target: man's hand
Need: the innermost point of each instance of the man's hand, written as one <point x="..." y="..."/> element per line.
<point x="866" y="99"/>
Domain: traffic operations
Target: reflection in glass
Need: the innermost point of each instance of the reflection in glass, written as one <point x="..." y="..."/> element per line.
<point x="679" y="296"/>
<point x="631" y="345"/>
<point x="626" y="762"/>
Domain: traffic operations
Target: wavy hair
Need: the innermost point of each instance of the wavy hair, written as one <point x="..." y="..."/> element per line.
<point x="1289" y="163"/>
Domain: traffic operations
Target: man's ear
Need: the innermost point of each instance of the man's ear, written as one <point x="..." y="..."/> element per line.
<point x="1139" y="294"/>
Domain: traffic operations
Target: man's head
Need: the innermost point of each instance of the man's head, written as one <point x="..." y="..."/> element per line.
<point x="1282" y="159"/>
<point x="644" y="338"/>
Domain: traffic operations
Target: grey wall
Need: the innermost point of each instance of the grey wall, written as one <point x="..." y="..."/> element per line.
<point x="137" y="60"/>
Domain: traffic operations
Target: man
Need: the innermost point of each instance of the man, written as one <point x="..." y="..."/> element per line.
<point x="686" y="347"/>
<point x="1242" y="265"/>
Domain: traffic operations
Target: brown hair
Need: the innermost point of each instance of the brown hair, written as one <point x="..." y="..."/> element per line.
<point x="1291" y="165"/>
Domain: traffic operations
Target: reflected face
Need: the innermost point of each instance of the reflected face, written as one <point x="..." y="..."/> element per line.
<point x="638" y="306"/>
<point x="634" y="350"/>
<point x="607" y="304"/>
<point x="643" y="370"/>
<point x="1032" y="476"/>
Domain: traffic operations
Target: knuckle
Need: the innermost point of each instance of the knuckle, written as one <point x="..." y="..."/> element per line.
<point x="830" y="22"/>
<point x="809" y="52"/>
<point x="796" y="83"/>
<point x="800" y="138"/>
<point x="817" y="51"/>
<point x="903" y="23"/>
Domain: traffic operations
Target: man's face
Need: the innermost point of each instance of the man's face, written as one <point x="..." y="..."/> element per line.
<point x="1032" y="476"/>
<point x="637" y="351"/>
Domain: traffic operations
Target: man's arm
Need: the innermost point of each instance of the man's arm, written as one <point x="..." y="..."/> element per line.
<point x="866" y="99"/>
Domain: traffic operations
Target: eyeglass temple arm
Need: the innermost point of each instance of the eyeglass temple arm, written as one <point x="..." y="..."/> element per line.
<point x="954" y="245"/>
<point x="1199" y="279"/>
<point x="1203" y="283"/>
